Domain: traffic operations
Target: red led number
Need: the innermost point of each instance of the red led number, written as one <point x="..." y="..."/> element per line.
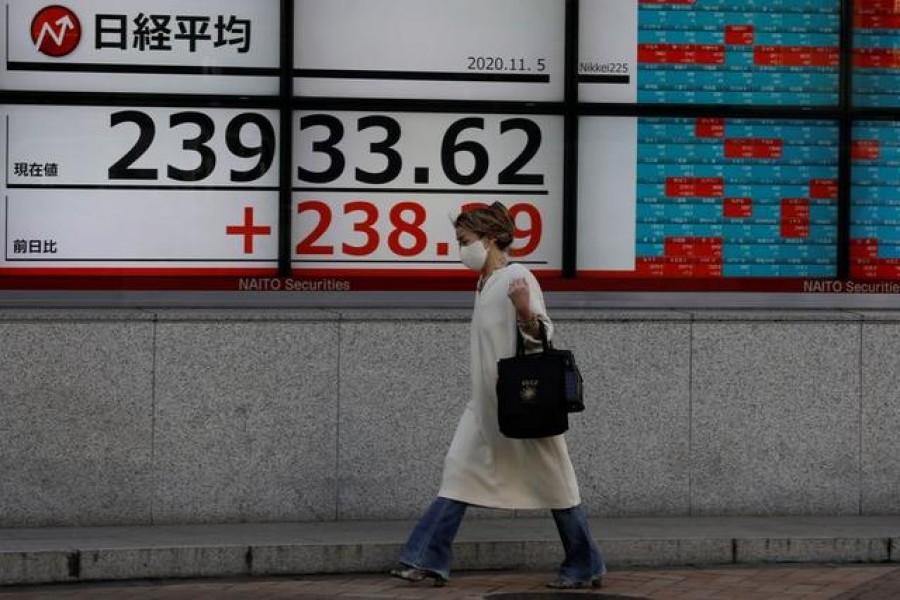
<point x="308" y="245"/>
<point x="365" y="227"/>
<point x="406" y="238"/>
<point x="407" y="219"/>
<point x="413" y="228"/>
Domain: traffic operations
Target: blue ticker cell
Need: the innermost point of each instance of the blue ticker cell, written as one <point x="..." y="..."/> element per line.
<point x="702" y="97"/>
<point x="781" y="270"/>
<point x="887" y="250"/>
<point x="766" y="38"/>
<point x="650" y="250"/>
<point x="813" y="132"/>
<point x="698" y="18"/>
<point x="662" y="80"/>
<point x="871" y="195"/>
<point x="886" y="132"/>
<point x="881" y="176"/>
<point x="675" y="211"/>
<point x="877" y="100"/>
<point x="681" y="36"/>
<point x="781" y="252"/>
<point x="759" y="174"/>
<point x="694" y="36"/>
<point x="798" y="6"/>
<point x="778" y="261"/>
<point x="729" y="231"/>
<point x="763" y="194"/>
<point x="876" y="215"/>
<point x="702" y="213"/>
<point x="652" y="231"/>
<point x="883" y="233"/>
<point x="831" y="242"/>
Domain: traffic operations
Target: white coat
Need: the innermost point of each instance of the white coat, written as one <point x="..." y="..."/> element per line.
<point x="483" y="467"/>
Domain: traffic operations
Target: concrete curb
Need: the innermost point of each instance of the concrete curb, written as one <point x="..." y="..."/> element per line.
<point x="38" y="556"/>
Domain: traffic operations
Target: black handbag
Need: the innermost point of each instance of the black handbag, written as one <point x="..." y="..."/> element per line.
<point x="535" y="392"/>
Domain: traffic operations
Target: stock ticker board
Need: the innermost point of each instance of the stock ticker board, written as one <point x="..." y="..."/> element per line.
<point x="875" y="201"/>
<point x="761" y="52"/>
<point x="723" y="51"/>
<point x="737" y="198"/>
<point x="876" y="54"/>
<point x="714" y="197"/>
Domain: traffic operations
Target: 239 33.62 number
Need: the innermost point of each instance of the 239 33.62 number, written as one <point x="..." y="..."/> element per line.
<point x="206" y="128"/>
<point x="451" y="148"/>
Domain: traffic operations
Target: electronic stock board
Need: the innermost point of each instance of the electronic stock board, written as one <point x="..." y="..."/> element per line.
<point x="195" y="190"/>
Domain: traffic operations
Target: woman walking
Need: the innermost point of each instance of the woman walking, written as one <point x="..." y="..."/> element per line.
<point x="483" y="467"/>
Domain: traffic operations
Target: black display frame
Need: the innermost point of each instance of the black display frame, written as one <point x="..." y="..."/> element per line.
<point x="570" y="108"/>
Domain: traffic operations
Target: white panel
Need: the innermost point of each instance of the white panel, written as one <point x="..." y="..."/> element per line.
<point x="492" y="49"/>
<point x="608" y="50"/>
<point x="80" y="192"/>
<point x="607" y="176"/>
<point x="164" y="46"/>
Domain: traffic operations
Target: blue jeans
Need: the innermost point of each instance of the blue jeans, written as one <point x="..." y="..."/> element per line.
<point x="429" y="544"/>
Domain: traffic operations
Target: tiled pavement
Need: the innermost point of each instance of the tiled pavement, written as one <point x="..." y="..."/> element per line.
<point x="797" y="581"/>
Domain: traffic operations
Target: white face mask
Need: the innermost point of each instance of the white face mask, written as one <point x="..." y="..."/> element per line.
<point x="474" y="255"/>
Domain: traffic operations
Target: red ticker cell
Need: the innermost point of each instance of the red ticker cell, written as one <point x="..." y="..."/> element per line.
<point x="865" y="150"/>
<point x="682" y="54"/>
<point x="864" y="248"/>
<point x="876" y="21"/>
<point x="703" y="249"/>
<point x="875" y="6"/>
<point x="796" y="56"/>
<point x="695" y="187"/>
<point x="710" y="128"/>
<point x="737" y="208"/>
<point x="865" y="264"/>
<point x="753" y="148"/>
<point x="823" y="189"/>
<point x="739" y="35"/>
<point x="883" y="268"/>
<point x="666" y="267"/>
<point x="795" y="228"/>
<point x="876" y="58"/>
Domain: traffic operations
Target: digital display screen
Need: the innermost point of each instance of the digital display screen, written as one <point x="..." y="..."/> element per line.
<point x="875" y="201"/>
<point x="762" y="52"/>
<point x="876" y="53"/>
<point x="129" y="189"/>
<point x="702" y="198"/>
<point x="155" y="155"/>
<point x="165" y="46"/>
<point x="376" y="192"/>
<point x="430" y="49"/>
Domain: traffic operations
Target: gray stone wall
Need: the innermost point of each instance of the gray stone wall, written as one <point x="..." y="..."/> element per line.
<point x="211" y="416"/>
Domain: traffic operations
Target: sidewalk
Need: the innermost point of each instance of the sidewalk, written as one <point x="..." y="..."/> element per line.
<point x="519" y="546"/>
<point x="794" y="582"/>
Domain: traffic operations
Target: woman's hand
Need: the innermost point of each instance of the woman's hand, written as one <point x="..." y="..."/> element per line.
<point x="521" y="298"/>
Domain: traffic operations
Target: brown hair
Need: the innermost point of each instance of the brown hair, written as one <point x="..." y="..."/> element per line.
<point x="492" y="221"/>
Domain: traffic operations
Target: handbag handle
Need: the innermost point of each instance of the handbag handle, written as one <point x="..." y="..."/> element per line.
<point x="520" y="340"/>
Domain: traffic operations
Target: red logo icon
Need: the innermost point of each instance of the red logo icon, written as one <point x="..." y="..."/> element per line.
<point x="55" y="31"/>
